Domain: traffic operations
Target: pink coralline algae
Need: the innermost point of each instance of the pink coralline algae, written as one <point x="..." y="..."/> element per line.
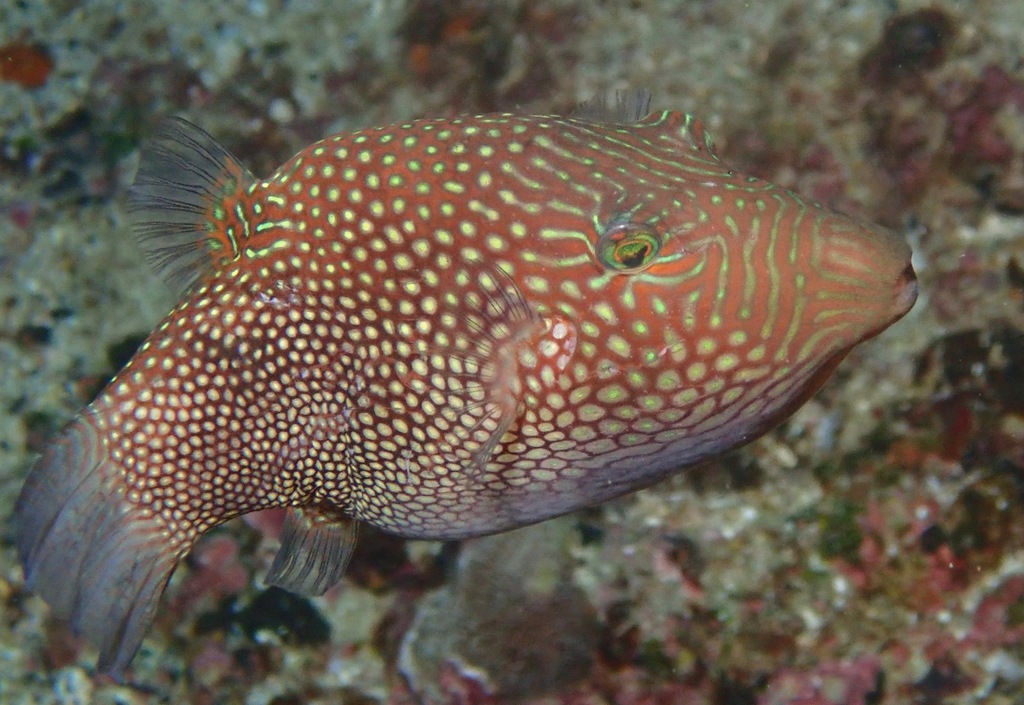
<point x="856" y="682"/>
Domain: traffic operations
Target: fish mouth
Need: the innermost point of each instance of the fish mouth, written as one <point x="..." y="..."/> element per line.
<point x="904" y="292"/>
<point x="904" y="295"/>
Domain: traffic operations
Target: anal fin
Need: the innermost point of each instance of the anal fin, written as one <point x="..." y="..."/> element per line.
<point x="316" y="545"/>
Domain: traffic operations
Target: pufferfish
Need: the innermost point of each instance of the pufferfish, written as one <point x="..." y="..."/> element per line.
<point x="444" y="329"/>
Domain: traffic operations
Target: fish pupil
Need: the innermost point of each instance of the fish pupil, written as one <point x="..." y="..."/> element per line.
<point x="629" y="247"/>
<point x="633" y="253"/>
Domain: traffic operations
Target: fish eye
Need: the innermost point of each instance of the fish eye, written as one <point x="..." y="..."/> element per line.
<point x="629" y="247"/>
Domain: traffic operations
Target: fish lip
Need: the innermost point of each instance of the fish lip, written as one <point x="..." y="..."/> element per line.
<point x="906" y="290"/>
<point x="904" y="295"/>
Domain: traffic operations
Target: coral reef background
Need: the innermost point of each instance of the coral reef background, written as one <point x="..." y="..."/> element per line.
<point x="868" y="551"/>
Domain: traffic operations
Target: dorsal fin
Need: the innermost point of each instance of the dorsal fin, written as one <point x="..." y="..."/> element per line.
<point x="633" y="107"/>
<point x="620" y="108"/>
<point x="183" y="203"/>
<point x="685" y="131"/>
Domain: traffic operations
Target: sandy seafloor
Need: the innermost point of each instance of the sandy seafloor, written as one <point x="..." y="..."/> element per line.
<point x="869" y="551"/>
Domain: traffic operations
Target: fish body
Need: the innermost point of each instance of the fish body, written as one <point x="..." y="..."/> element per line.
<point x="443" y="328"/>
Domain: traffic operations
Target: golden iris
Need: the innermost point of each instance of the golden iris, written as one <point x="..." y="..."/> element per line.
<point x="629" y="247"/>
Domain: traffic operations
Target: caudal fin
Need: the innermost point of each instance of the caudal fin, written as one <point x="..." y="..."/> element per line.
<point x="100" y="562"/>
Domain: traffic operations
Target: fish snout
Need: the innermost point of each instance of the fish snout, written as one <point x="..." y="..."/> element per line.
<point x="866" y="279"/>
